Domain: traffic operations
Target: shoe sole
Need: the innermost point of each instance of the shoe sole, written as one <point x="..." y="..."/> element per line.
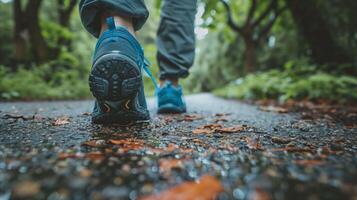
<point x="170" y="109"/>
<point x="121" y="118"/>
<point x="115" y="77"/>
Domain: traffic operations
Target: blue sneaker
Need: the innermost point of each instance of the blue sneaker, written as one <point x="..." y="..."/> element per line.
<point x="170" y="99"/>
<point x="116" y="80"/>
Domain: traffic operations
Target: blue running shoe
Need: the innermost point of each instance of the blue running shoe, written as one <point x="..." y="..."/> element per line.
<point x="115" y="80"/>
<point x="170" y="99"/>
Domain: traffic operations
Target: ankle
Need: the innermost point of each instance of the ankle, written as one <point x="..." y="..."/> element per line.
<point x="124" y="21"/>
<point x="174" y="81"/>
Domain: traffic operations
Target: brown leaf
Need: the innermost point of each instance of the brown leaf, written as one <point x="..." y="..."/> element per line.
<point x="222" y="114"/>
<point x="234" y="129"/>
<point x="221" y="119"/>
<point x="26" y="189"/>
<point x="61" y="121"/>
<point x="212" y="128"/>
<point x="166" y="165"/>
<point x="128" y="144"/>
<point x="294" y="150"/>
<point x="95" y="156"/>
<point x="202" y="131"/>
<point x="207" y="188"/>
<point x="94" y="143"/>
<point x="273" y="109"/>
<point x="309" y="162"/>
<point x="254" y="144"/>
<point x="280" y="140"/>
<point x="190" y="118"/>
<point x="63" y="156"/>
<point x="85" y="173"/>
<point x="259" y="194"/>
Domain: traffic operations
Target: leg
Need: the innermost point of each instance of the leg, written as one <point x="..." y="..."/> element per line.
<point x="176" y="39"/>
<point x="115" y="78"/>
<point x="176" y="52"/>
<point x="92" y="12"/>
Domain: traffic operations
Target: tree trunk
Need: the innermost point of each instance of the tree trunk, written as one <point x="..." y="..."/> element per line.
<point x="38" y="43"/>
<point x="250" y="56"/>
<point x="19" y="33"/>
<point x="317" y="33"/>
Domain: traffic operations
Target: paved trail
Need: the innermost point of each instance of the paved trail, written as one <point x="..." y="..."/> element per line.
<point x="220" y="149"/>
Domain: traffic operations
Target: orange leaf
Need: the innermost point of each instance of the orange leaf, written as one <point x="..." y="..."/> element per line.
<point x="63" y="156"/>
<point x="190" y="118"/>
<point x="166" y="165"/>
<point x="309" y="162"/>
<point x="128" y="144"/>
<point x="94" y="156"/>
<point x="273" y="109"/>
<point x="234" y="129"/>
<point x="61" y="121"/>
<point x="202" y="131"/>
<point x="207" y="188"/>
<point x="294" y="150"/>
<point x="280" y="140"/>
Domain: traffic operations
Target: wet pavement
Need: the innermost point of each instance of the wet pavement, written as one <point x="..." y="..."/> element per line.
<point x="220" y="149"/>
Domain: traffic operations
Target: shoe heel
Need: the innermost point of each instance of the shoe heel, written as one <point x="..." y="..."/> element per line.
<point x="115" y="77"/>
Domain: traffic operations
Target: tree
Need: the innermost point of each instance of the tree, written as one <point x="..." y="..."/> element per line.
<point x="317" y="33"/>
<point x="27" y="27"/>
<point x="30" y="43"/>
<point x="255" y="28"/>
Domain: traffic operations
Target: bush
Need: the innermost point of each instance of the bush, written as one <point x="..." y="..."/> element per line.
<point x="292" y="83"/>
<point x="40" y="83"/>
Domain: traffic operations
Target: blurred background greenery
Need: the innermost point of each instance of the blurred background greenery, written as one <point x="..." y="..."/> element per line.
<point x="246" y="49"/>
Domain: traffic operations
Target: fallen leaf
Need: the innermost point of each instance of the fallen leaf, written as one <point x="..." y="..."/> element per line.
<point x="273" y="109"/>
<point x="26" y="189"/>
<point x="190" y="118"/>
<point x="254" y="144"/>
<point x="280" y="140"/>
<point x="94" y="156"/>
<point x="221" y="119"/>
<point x="63" y="156"/>
<point x="309" y="162"/>
<point x="128" y="144"/>
<point x="234" y="129"/>
<point x="166" y="165"/>
<point x="61" y="121"/>
<point x="85" y="173"/>
<point x="212" y="128"/>
<point x="87" y="114"/>
<point x="258" y="194"/>
<point x="207" y="188"/>
<point x="202" y="131"/>
<point x="94" y="143"/>
<point x="222" y="114"/>
<point x="293" y="150"/>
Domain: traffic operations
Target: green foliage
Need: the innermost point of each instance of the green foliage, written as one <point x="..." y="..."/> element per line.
<point x="54" y="32"/>
<point x="295" y="82"/>
<point x="42" y="83"/>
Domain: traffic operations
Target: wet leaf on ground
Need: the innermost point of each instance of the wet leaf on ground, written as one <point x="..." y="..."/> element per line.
<point x="166" y="165"/>
<point x="280" y="140"/>
<point x="61" y="121"/>
<point x="26" y="189"/>
<point x="309" y="162"/>
<point x="128" y="144"/>
<point x="190" y="118"/>
<point x="273" y="109"/>
<point x="218" y="128"/>
<point x="207" y="188"/>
